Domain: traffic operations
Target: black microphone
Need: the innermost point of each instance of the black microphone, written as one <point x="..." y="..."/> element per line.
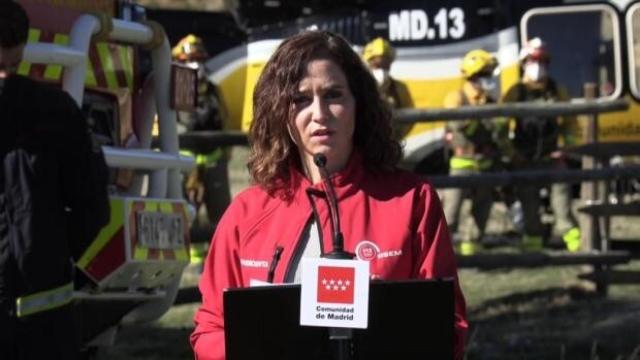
<point x="341" y="337"/>
<point x="337" y="239"/>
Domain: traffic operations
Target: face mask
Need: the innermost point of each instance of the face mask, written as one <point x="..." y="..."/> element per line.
<point x="535" y="71"/>
<point x="487" y="84"/>
<point x="381" y="76"/>
<point x="193" y="64"/>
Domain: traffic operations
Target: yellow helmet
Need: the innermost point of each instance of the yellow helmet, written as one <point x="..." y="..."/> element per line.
<point x="477" y="61"/>
<point x="189" y="48"/>
<point x="378" y="47"/>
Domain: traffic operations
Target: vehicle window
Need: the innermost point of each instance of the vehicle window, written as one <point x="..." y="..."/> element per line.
<point x="633" y="46"/>
<point x="584" y="44"/>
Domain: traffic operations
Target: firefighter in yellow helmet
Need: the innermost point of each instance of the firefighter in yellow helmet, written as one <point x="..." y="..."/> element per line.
<point x="379" y="56"/>
<point x="208" y="183"/>
<point x="190" y="49"/>
<point x="476" y="145"/>
<point x="536" y="141"/>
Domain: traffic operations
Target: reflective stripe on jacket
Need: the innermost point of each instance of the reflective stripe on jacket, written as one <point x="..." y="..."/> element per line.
<point x="465" y="163"/>
<point x="44" y="300"/>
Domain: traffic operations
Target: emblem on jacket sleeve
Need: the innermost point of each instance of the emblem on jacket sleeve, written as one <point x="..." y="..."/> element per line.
<point x="367" y="250"/>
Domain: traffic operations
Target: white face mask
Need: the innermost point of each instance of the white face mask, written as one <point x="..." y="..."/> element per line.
<point x="535" y="72"/>
<point x="381" y="76"/>
<point x="488" y="84"/>
<point x="193" y="64"/>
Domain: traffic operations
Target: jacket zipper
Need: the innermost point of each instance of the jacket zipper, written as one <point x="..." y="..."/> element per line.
<point x="274" y="263"/>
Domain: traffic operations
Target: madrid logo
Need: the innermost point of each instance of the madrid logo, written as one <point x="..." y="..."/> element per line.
<point x="335" y="284"/>
<point x="367" y="250"/>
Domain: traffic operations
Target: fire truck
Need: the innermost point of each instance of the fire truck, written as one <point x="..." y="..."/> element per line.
<point x="117" y="67"/>
<point x="593" y="42"/>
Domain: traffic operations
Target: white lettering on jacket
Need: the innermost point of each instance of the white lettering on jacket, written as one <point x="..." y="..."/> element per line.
<point x="390" y="253"/>
<point x="254" y="263"/>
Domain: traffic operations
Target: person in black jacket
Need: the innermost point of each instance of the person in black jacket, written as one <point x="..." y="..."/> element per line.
<point x="53" y="202"/>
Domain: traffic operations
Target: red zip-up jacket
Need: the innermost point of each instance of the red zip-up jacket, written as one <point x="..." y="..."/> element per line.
<point x="394" y="220"/>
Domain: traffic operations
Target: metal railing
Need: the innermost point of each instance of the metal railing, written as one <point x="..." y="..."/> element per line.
<point x="165" y="181"/>
<point x="503" y="178"/>
<point x="538" y="177"/>
<point x="521" y="109"/>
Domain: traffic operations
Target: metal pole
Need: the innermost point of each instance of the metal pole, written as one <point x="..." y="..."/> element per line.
<point x="591" y="233"/>
<point x="541" y="177"/>
<point x="519" y="109"/>
<point x="589" y="191"/>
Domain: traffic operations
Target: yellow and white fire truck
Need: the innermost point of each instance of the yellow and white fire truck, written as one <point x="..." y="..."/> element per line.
<point x="595" y="42"/>
<point x="118" y="69"/>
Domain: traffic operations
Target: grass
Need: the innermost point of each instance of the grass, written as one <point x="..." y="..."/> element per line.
<point x="546" y="314"/>
<point x="542" y="313"/>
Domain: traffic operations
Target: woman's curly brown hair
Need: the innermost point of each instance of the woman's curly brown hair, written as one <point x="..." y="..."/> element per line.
<point x="272" y="150"/>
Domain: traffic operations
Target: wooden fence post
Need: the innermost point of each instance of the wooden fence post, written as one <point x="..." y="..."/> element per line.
<point x="591" y="238"/>
<point x="589" y="190"/>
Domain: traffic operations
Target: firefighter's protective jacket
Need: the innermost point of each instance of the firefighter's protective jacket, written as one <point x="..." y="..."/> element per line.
<point x="53" y="195"/>
<point x="535" y="137"/>
<point x="397" y="95"/>
<point x="478" y="143"/>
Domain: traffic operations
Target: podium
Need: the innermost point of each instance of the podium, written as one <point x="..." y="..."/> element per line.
<point x="410" y="319"/>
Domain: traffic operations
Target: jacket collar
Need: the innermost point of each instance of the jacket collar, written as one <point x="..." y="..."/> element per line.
<point x="345" y="181"/>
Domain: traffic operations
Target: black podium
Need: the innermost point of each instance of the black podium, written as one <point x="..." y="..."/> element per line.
<point x="408" y="320"/>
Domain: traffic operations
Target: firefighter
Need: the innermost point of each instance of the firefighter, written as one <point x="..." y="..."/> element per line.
<point x="536" y="141"/>
<point x="53" y="202"/>
<point x="476" y="147"/>
<point x="207" y="186"/>
<point x="379" y="56"/>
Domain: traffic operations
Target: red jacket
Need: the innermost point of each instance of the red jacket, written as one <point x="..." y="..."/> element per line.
<point x="394" y="220"/>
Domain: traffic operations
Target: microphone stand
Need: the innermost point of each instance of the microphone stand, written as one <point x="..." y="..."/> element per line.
<point x="337" y="238"/>
<point x="342" y="337"/>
